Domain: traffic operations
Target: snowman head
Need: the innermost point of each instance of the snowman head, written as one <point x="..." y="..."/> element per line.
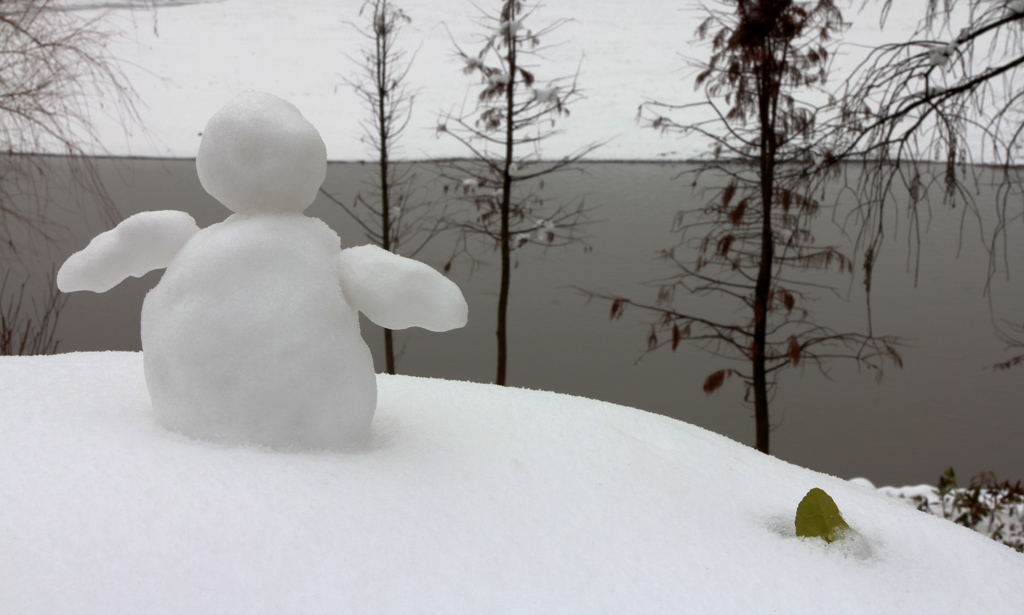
<point x="260" y="155"/>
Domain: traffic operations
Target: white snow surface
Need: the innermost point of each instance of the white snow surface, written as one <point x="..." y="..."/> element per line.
<point x="140" y="244"/>
<point x="186" y="58"/>
<point x="472" y="498"/>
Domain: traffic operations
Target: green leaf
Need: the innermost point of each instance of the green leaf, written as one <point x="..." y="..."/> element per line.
<point x="817" y="516"/>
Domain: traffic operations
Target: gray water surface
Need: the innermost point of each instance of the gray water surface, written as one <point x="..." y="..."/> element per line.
<point x="942" y="409"/>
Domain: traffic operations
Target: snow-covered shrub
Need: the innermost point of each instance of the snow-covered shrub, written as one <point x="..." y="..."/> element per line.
<point x="986" y="505"/>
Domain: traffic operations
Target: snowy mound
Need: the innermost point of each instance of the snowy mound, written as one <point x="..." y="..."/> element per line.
<point x="473" y="498"/>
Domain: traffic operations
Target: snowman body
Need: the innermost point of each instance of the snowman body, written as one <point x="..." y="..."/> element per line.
<point x="274" y="357"/>
<point x="252" y="334"/>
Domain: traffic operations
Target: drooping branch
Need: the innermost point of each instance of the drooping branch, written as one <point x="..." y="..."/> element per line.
<point x="923" y="114"/>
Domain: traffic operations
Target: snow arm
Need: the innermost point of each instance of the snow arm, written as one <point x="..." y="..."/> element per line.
<point x="138" y="245"/>
<point x="397" y="292"/>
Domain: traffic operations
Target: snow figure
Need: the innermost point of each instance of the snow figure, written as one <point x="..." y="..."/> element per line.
<point x="252" y="334"/>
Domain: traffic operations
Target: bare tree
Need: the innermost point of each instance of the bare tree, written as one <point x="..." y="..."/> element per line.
<point x="387" y="214"/>
<point x="755" y="233"/>
<point x="940" y="114"/>
<point x="515" y="113"/>
<point x="933" y="115"/>
<point x="924" y="99"/>
<point x="29" y="330"/>
<point x="53" y="64"/>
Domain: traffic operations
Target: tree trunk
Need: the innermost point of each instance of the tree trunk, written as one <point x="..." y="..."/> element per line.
<point x="762" y="292"/>
<point x="767" y="93"/>
<point x="389" y="351"/>
<point x="389" y="345"/>
<point x="506" y="274"/>
<point x="506" y="198"/>
<point x="383" y="135"/>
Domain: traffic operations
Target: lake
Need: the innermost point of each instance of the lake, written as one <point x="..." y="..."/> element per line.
<point x="943" y="408"/>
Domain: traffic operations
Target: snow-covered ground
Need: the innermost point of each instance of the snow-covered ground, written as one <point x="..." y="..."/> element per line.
<point x="187" y="59"/>
<point x="472" y="498"/>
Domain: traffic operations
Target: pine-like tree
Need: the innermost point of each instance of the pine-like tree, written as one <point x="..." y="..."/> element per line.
<point x="501" y="179"/>
<point x="388" y="214"/>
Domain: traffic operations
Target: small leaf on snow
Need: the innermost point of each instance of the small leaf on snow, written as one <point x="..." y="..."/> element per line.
<point x="817" y="516"/>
